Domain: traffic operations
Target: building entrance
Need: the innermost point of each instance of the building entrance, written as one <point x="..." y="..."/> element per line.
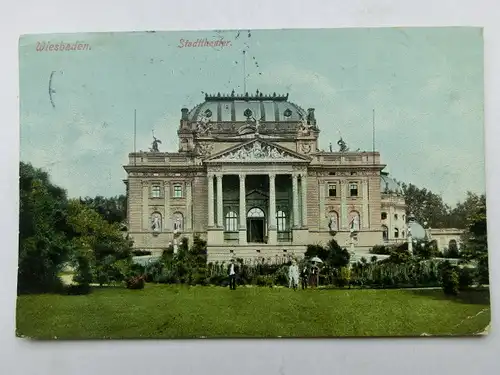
<point x="256" y="224"/>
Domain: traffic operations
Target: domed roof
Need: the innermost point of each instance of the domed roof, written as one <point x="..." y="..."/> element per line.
<point x="234" y="107"/>
<point x="389" y="185"/>
<point x="417" y="231"/>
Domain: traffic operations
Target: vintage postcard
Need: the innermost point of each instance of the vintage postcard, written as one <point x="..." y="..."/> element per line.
<point x="252" y="183"/>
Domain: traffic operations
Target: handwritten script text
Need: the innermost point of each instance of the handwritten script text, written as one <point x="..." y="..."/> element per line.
<point x="62" y="46"/>
<point x="204" y="43"/>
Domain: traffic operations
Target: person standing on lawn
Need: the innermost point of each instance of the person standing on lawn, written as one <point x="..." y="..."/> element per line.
<point x="314" y="276"/>
<point x="293" y="275"/>
<point x="232" y="275"/>
<point x="304" y="276"/>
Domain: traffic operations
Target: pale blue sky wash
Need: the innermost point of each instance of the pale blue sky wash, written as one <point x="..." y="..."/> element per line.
<point x="425" y="84"/>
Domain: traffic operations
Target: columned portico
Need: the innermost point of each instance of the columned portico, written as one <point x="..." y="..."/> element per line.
<point x="293" y="218"/>
<point x="258" y="196"/>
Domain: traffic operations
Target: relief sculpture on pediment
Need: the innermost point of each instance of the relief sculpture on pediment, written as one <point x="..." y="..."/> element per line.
<point x="256" y="150"/>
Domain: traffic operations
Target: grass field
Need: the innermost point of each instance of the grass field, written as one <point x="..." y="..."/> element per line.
<point x="162" y="311"/>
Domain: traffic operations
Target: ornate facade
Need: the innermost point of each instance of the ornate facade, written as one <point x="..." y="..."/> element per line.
<point x="250" y="179"/>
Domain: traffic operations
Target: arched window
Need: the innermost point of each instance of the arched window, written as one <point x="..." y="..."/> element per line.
<point x="231" y="222"/>
<point x="385" y="232"/>
<point x="255" y="212"/>
<point x="178" y="221"/>
<point x="281" y="221"/>
<point x="453" y="246"/>
<point x="156" y="222"/>
<point x="383" y="216"/>
<point x="396" y="233"/>
<point x="333" y="221"/>
<point x="354" y="221"/>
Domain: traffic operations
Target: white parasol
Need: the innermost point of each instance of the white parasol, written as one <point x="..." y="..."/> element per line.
<point x="316" y="260"/>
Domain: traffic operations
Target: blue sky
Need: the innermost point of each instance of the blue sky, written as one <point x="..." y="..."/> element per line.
<point x="425" y="84"/>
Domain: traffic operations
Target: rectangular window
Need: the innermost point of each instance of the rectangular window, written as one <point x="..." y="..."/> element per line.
<point x="155" y="191"/>
<point x="332" y="190"/>
<point x="177" y="191"/>
<point x="353" y="189"/>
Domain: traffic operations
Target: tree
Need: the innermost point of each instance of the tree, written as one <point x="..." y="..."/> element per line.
<point x="101" y="243"/>
<point x="426" y="206"/>
<point x="337" y="256"/>
<point x="460" y="213"/>
<point x="316" y="251"/>
<point x="113" y="210"/>
<point x="475" y="240"/>
<point x="332" y="254"/>
<point x="43" y="232"/>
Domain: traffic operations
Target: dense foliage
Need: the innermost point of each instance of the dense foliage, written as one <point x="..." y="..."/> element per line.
<point x="113" y="210"/>
<point x="332" y="255"/>
<point x="476" y="242"/>
<point x="429" y="207"/>
<point x="44" y="238"/>
<point x="55" y="231"/>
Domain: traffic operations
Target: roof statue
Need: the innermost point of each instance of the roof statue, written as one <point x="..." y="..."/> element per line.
<point x="305" y="125"/>
<point x="154" y="145"/>
<point x="342" y="145"/>
<point x="203" y="125"/>
<point x="331" y="147"/>
<point x="257" y="125"/>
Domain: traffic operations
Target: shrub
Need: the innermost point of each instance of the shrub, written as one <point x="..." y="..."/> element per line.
<point x="398" y="255"/>
<point x="316" y="251"/>
<point x="78" y="289"/>
<point x="135" y="282"/>
<point x="281" y="276"/>
<point x="449" y="279"/>
<point x="343" y="277"/>
<point x="380" y="250"/>
<point x="465" y="278"/>
<point x="264" y="280"/>
<point x="83" y="268"/>
<point x="141" y="252"/>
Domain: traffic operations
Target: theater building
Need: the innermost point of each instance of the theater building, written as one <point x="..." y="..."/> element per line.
<point x="250" y="178"/>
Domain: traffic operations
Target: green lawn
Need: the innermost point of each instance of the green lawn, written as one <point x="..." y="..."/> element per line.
<point x="162" y="311"/>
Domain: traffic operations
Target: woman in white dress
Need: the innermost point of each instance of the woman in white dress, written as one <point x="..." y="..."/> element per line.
<point x="293" y="275"/>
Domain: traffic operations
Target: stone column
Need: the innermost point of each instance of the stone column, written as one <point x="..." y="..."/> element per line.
<point x="295" y="192"/>
<point x="303" y="186"/>
<point x="210" y="200"/>
<point x="392" y="224"/>
<point x="243" y="211"/>
<point x="146" y="225"/>
<point x="365" y="220"/>
<point x="219" y="201"/>
<point x="188" y="225"/>
<point x="343" y="205"/>
<point x="272" y="230"/>
<point x="322" y="213"/>
<point x="167" y="219"/>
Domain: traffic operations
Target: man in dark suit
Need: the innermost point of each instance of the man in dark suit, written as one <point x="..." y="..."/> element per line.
<point x="303" y="277"/>
<point x="231" y="270"/>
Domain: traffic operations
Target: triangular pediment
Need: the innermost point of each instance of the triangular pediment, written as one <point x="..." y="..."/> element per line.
<point x="258" y="151"/>
<point x="256" y="194"/>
